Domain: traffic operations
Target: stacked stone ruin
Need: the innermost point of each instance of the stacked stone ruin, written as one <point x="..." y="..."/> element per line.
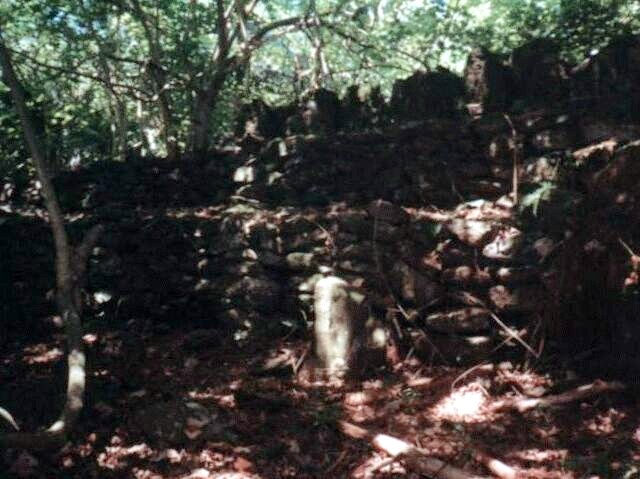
<point x="415" y="212"/>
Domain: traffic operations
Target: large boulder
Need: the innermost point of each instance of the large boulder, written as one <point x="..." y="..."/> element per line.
<point x="321" y="112"/>
<point x="362" y="107"/>
<point x="427" y="95"/>
<point x="541" y="77"/>
<point x="619" y="179"/>
<point x="261" y="121"/>
<point x="611" y="78"/>
<point x="488" y="80"/>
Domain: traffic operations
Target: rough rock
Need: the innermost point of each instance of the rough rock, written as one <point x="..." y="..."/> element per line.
<point x="453" y="349"/>
<point x="413" y="286"/>
<point x="262" y="294"/>
<point x="541" y="76"/>
<point x="488" y="81"/>
<point x="461" y="321"/>
<point x="466" y="276"/>
<point x="427" y="95"/>
<point x="524" y="299"/>
<point x="621" y="175"/>
<point x="299" y="261"/>
<point x="474" y="233"/>
<point x="516" y="275"/>
<point x="505" y="245"/>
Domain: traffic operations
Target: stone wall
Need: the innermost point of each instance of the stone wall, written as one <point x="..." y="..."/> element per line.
<point x="418" y="215"/>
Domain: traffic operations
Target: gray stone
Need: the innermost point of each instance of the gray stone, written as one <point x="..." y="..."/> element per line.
<point x="471" y="232"/>
<point x="299" y="261"/>
<point x="524" y="299"/>
<point x="466" y="276"/>
<point x="516" y="275"/>
<point x="271" y="260"/>
<point x="413" y="287"/>
<point x="452" y="349"/>
<point x="245" y="174"/>
<point x="464" y="321"/>
<point x="505" y="245"/>
<point x="262" y="294"/>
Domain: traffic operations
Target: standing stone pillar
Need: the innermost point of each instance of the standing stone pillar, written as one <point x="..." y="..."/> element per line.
<point x="339" y="327"/>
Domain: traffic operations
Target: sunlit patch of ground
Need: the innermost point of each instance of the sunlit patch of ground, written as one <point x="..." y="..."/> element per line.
<point x="464" y="405"/>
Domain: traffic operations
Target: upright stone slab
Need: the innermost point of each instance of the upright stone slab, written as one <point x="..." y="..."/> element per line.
<point x="423" y="95"/>
<point x="488" y="81"/>
<point x="339" y="326"/>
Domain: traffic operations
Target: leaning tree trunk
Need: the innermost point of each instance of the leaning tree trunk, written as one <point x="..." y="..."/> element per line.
<point x="71" y="264"/>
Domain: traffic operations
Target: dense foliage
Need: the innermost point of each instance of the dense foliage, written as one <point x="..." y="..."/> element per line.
<point x="164" y="76"/>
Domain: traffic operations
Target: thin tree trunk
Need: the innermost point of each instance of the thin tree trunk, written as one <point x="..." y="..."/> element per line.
<point x="159" y="80"/>
<point x="70" y="272"/>
<point x="120" y="117"/>
<point x="200" y="125"/>
<point x="118" y="128"/>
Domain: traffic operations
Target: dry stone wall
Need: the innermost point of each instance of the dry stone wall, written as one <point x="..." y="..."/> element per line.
<point x="418" y="215"/>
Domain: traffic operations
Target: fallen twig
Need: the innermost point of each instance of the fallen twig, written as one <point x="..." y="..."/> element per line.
<point x="582" y="392"/>
<point x="496" y="466"/>
<point x="415" y="458"/>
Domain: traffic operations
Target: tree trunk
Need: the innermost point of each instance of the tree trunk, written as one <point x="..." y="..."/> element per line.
<point x="159" y="80"/>
<point x="120" y="117"/>
<point x="200" y="123"/>
<point x="71" y="266"/>
<point x="167" y="133"/>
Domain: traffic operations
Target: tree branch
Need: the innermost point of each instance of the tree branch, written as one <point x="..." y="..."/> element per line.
<point x="72" y="72"/>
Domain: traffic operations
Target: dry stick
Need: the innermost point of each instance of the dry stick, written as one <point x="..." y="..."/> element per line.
<point x="380" y="465"/>
<point x="513" y="334"/>
<point x="496" y="466"/>
<point x="415" y="458"/>
<point x="483" y="365"/>
<point x="582" y="392"/>
<point x="628" y="248"/>
<point x="299" y="362"/>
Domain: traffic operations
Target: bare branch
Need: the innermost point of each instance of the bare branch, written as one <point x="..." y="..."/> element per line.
<point x="75" y="73"/>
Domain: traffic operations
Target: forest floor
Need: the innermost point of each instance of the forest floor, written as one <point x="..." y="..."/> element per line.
<point x="270" y="426"/>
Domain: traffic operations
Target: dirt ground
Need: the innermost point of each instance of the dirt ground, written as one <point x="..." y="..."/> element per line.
<point x="280" y="425"/>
